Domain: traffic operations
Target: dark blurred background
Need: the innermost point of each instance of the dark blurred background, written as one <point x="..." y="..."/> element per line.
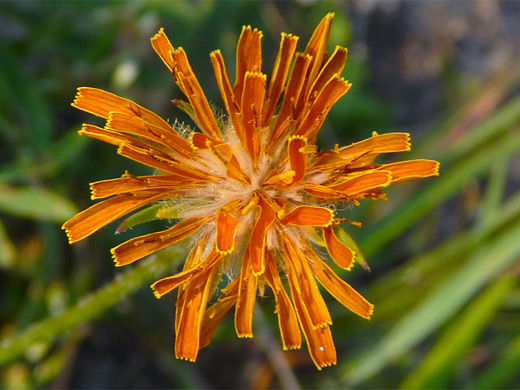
<point x="444" y="251"/>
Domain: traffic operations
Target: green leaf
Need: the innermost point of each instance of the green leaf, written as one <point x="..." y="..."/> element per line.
<point x="152" y="213"/>
<point x="36" y="203"/>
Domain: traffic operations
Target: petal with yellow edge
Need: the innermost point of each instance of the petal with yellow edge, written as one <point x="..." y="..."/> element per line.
<point x="102" y="103"/>
<point x="303" y="285"/>
<point x="191" y="313"/>
<point x="342" y="255"/>
<point x="319" y="339"/>
<point x="128" y="183"/>
<point x="279" y="74"/>
<point x="215" y="313"/>
<point x="338" y="288"/>
<point x="226" y="229"/>
<point x="103" y="213"/>
<point x="257" y="240"/>
<point x="377" y="144"/>
<point x="246" y="299"/>
<point x="364" y="182"/>
<point x="287" y="318"/>
<point x="170" y="283"/>
<point x="309" y="216"/>
<point x="142" y="246"/>
<point x="411" y="170"/>
<point x="163" y="48"/>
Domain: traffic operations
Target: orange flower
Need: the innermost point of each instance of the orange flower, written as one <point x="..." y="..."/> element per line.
<point x="250" y="188"/>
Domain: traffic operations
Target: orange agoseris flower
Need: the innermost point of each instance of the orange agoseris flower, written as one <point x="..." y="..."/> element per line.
<point x="250" y="188"/>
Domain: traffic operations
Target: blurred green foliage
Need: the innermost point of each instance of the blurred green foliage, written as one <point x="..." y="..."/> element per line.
<point x="443" y="252"/>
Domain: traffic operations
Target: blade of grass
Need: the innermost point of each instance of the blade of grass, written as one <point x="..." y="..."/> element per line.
<point x="438" y="365"/>
<point x="126" y="283"/>
<point x="503" y="371"/>
<point x="35" y="202"/>
<point x="490" y="259"/>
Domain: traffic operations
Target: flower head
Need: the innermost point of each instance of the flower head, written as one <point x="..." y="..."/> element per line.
<point x="249" y="186"/>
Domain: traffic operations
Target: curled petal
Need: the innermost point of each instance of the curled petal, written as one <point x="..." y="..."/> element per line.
<point x="309" y="216"/>
<point x="170" y="283"/>
<point x="339" y="252"/>
<point x="226" y="229"/>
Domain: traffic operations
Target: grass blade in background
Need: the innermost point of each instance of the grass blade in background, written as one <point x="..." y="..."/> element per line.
<point x="145" y="272"/>
<point x="439" y="364"/>
<point x="35" y="202"/>
<point x="490" y="259"/>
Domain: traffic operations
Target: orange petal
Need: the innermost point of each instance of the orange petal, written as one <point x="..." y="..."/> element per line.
<point x="226" y="229"/>
<point x="287" y="319"/>
<point x="197" y="293"/>
<point x="130" y="184"/>
<point x="246" y="298"/>
<point x="142" y="246"/>
<point x="131" y="124"/>
<point x="384" y="143"/>
<point x="309" y="216"/>
<point x="324" y="192"/>
<point x="411" y="170"/>
<point x="297" y="157"/>
<point x="108" y="136"/>
<point x="304" y="287"/>
<point x="149" y="157"/>
<point x="215" y="313"/>
<point x="316" y="331"/>
<point x="333" y="67"/>
<point x="279" y="75"/>
<point x="163" y="48"/>
<point x="102" y="103"/>
<point x="286" y="115"/>
<point x="317" y="48"/>
<point x="251" y="105"/>
<point x="339" y="252"/>
<point x="170" y="283"/>
<point x="338" y="288"/>
<point x="319" y="340"/>
<point x="257" y="240"/>
<point x="248" y="58"/>
<point x="364" y="182"/>
<point x="328" y="96"/>
<point x="188" y="83"/>
<point x="227" y="93"/>
<point x="105" y="212"/>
